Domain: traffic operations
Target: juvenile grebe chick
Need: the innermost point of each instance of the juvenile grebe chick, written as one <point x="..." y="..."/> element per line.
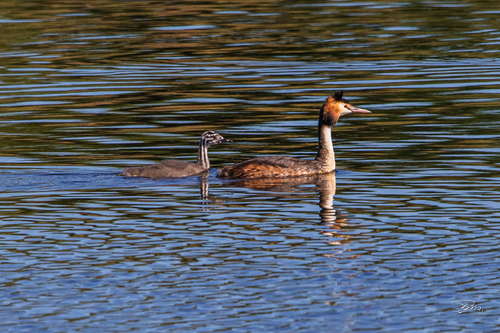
<point x="282" y="166"/>
<point x="176" y="168"/>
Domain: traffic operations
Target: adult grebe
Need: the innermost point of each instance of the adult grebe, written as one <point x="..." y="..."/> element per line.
<point x="282" y="166"/>
<point x="175" y="168"/>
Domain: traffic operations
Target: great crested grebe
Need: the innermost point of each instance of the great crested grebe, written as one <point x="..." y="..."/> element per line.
<point x="282" y="166"/>
<point x="175" y="168"/>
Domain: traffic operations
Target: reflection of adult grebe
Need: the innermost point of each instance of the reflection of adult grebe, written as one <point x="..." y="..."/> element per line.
<point x="282" y="166"/>
<point x="324" y="182"/>
<point x="175" y="168"/>
<point x="326" y="186"/>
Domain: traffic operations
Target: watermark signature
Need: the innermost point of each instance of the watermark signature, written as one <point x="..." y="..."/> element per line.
<point x="469" y="306"/>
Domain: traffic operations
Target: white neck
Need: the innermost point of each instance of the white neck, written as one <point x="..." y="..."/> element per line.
<point x="203" y="155"/>
<point x="326" y="155"/>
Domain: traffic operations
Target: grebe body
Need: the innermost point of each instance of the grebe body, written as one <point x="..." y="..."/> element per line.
<point x="176" y="168"/>
<point x="282" y="166"/>
<point x="274" y="167"/>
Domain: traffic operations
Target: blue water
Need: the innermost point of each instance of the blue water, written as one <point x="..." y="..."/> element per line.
<point x="403" y="237"/>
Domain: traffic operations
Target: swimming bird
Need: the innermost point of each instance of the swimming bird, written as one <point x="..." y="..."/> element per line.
<point x="282" y="166"/>
<point x="176" y="168"/>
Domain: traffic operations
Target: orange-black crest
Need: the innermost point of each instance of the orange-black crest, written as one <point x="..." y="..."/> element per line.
<point x="328" y="116"/>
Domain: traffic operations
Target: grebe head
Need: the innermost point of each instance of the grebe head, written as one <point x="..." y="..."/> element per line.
<point x="213" y="138"/>
<point x="336" y="106"/>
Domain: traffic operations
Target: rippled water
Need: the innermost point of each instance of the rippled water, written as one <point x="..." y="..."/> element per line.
<point x="403" y="237"/>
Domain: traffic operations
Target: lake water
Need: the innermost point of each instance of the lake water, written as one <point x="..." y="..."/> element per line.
<point x="404" y="237"/>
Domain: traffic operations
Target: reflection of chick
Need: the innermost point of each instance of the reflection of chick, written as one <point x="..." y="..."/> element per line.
<point x="175" y="168"/>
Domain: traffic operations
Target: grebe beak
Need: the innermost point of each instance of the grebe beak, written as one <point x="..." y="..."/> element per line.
<point x="354" y="109"/>
<point x="226" y="140"/>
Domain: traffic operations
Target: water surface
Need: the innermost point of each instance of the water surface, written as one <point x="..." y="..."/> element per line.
<point x="403" y="237"/>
